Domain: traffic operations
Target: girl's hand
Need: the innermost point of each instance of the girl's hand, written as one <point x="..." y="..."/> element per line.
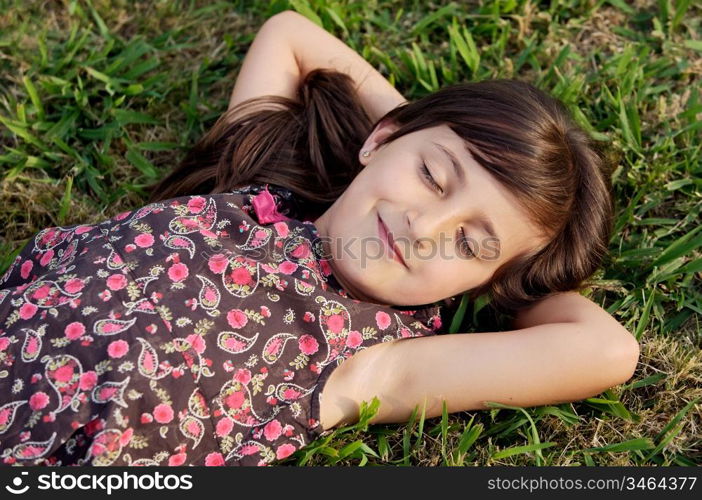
<point x="288" y="46"/>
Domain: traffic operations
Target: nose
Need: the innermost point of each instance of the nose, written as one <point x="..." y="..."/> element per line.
<point x="426" y="225"/>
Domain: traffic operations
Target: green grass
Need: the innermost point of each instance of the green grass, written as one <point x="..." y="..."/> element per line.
<point x="100" y="99"/>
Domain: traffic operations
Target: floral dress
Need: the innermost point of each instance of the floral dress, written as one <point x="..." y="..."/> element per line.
<point x="195" y="331"/>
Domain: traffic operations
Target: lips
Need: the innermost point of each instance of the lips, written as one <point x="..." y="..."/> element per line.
<point x="387" y="235"/>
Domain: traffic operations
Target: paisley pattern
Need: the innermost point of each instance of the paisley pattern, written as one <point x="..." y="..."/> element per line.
<point x="195" y="331"/>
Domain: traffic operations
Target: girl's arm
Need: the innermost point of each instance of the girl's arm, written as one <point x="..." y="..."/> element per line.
<point x="566" y="348"/>
<point x="288" y="46"/>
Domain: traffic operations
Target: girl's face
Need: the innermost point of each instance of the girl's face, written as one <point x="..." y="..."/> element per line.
<point x="451" y="233"/>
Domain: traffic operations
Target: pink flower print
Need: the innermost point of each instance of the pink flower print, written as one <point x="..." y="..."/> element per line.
<point x="354" y="339"/>
<point x="308" y="317"/>
<point x="282" y="229"/>
<point x="248" y="450"/>
<point x="64" y="373"/>
<point x="192" y="428"/>
<point x="146" y="418"/>
<point x="265" y="312"/>
<point x="189" y="223"/>
<point x="404" y="333"/>
<point x="74" y="330"/>
<point x="48" y="236"/>
<point x="177" y="459"/>
<point x="272" y="430"/>
<point x="308" y="344"/>
<point x="325" y="267"/>
<point x="30" y="451"/>
<point x="46" y="258"/>
<point x="32" y="345"/>
<point x="274" y="346"/>
<point x="196" y="342"/>
<point x="237" y="318"/>
<point x="121" y="216"/>
<point x="437" y="322"/>
<point x="214" y="459"/>
<point x="235" y="400"/>
<point x="26" y="269"/>
<point x="116" y="282"/>
<point x="4" y="343"/>
<point x="284" y="450"/>
<point x="196" y="204"/>
<point x="382" y="319"/>
<point x="38" y="400"/>
<point x="335" y="323"/>
<point x="224" y="426"/>
<point x="241" y="276"/>
<point x="163" y="413"/>
<point x="301" y="251"/>
<point x="207" y="233"/>
<point x="234" y="344"/>
<point x="144" y="240"/>
<point x="105" y="295"/>
<point x="42" y="292"/>
<point x="27" y="310"/>
<point x="83" y="229"/>
<point x="242" y="375"/>
<point x="74" y="285"/>
<point x="88" y="380"/>
<point x="178" y="272"/>
<point x="291" y="394"/>
<point x="117" y="348"/>
<point x="287" y="267"/>
<point x="126" y="437"/>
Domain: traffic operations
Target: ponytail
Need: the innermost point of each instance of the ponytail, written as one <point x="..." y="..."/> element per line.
<point x="307" y="145"/>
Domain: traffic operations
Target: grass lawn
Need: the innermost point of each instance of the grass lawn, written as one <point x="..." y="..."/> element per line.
<point x="99" y="99"/>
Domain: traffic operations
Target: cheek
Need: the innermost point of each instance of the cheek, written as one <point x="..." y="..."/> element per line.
<point x="390" y="172"/>
<point x="451" y="276"/>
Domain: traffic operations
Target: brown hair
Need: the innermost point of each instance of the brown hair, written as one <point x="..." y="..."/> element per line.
<point x="302" y="145"/>
<point x="521" y="135"/>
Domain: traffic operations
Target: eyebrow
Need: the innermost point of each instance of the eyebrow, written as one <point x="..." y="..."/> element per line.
<point x="487" y="226"/>
<point x="457" y="168"/>
<point x="483" y="221"/>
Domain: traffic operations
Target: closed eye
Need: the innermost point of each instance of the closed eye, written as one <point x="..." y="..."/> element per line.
<point x="430" y="179"/>
<point x="463" y="242"/>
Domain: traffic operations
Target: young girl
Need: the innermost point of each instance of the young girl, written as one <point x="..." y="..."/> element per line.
<point x="292" y="267"/>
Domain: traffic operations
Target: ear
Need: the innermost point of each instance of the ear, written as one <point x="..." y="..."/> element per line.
<point x="380" y="132"/>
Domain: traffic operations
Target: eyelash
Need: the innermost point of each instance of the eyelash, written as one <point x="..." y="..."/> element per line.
<point x="435" y="186"/>
<point x="430" y="178"/>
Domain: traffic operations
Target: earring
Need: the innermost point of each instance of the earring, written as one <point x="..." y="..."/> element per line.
<point x="365" y="154"/>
